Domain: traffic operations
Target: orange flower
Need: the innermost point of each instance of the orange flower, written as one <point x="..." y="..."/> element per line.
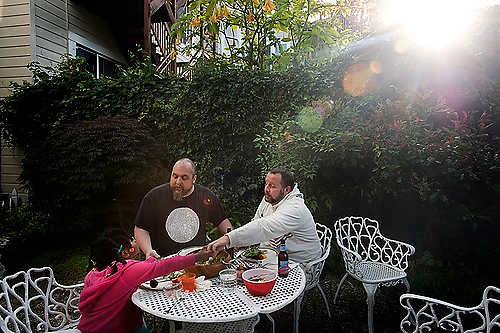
<point x="268" y="6"/>
<point x="195" y="22"/>
<point x="250" y="17"/>
<point x="220" y="13"/>
<point x="225" y="11"/>
<point x="173" y="54"/>
<point x="213" y="18"/>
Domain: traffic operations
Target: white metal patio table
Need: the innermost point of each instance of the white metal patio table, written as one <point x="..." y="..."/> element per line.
<point x="216" y="306"/>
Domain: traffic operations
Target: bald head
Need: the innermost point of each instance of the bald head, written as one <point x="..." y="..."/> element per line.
<point x="186" y="162"/>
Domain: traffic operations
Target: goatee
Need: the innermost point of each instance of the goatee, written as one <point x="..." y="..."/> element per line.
<point x="177" y="194"/>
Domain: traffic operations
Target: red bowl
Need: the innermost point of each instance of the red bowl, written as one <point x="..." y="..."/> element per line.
<point x="259" y="281"/>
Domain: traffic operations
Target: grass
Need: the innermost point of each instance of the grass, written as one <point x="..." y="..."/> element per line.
<point x="69" y="265"/>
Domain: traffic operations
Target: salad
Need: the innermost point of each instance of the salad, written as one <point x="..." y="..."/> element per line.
<point x="255" y="253"/>
<point x="173" y="275"/>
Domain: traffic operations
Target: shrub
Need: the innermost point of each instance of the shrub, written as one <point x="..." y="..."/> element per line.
<point x="84" y="165"/>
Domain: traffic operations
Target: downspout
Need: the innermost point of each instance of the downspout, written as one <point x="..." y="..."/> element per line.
<point x="147" y="28"/>
<point x="67" y="26"/>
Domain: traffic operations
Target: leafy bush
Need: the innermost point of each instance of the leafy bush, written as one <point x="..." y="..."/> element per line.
<point x="84" y="165"/>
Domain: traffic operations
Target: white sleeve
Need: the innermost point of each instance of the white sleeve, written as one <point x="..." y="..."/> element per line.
<point x="286" y="219"/>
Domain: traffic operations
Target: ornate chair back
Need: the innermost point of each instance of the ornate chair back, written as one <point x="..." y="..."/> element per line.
<point x="425" y="314"/>
<point x="360" y="240"/>
<point x="313" y="270"/>
<point x="33" y="301"/>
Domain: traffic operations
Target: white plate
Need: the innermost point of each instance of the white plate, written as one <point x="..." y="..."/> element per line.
<point x="161" y="285"/>
<point x="188" y="250"/>
<point x="271" y="256"/>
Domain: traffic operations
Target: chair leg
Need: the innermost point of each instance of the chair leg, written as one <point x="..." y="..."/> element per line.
<point x="338" y="288"/>
<point x="407" y="284"/>
<point x="171" y="325"/>
<point x="325" y="300"/>
<point x="370" y="301"/>
<point x="251" y="328"/>
<point x="296" y="310"/>
<point x="272" y="321"/>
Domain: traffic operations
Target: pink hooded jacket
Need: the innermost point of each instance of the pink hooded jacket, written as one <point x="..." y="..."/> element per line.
<point x="105" y="302"/>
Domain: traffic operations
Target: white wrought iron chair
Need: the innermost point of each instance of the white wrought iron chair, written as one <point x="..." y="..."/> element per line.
<point x="426" y="314"/>
<point x="371" y="258"/>
<point x="33" y="301"/>
<point x="313" y="271"/>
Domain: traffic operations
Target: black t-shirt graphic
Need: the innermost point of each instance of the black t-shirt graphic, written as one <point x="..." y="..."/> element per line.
<point x="173" y="225"/>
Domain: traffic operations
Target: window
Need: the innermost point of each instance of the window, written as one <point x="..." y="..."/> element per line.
<point x="101" y="60"/>
<point x="96" y="63"/>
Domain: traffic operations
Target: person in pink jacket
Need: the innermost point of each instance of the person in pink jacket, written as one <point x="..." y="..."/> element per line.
<point x="105" y="301"/>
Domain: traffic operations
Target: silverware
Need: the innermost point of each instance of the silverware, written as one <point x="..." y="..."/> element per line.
<point x="173" y="305"/>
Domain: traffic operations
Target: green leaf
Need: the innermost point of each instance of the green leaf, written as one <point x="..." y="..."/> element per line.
<point x="210" y="8"/>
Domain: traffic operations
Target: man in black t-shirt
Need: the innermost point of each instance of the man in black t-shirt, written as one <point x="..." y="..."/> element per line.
<point x="173" y="216"/>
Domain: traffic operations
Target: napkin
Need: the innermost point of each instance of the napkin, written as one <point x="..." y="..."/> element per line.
<point x="201" y="284"/>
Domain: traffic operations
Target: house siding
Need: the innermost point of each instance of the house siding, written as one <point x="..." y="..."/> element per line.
<point x="15" y="54"/>
<point x="15" y="42"/>
<point x="51" y="37"/>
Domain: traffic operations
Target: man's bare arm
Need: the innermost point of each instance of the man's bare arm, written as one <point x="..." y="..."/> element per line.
<point x="144" y="242"/>
<point x="224" y="225"/>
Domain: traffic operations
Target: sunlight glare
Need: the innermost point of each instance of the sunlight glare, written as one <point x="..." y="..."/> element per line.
<point x="430" y="23"/>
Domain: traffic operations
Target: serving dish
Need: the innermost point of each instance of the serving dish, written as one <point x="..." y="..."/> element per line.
<point x="210" y="268"/>
<point x="259" y="281"/>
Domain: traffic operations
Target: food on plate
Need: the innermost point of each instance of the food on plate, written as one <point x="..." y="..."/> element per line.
<point x="173" y="275"/>
<point x="153" y="283"/>
<point x="255" y="253"/>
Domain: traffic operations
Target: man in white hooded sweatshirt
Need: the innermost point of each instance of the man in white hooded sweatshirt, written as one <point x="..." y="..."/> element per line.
<point x="281" y="213"/>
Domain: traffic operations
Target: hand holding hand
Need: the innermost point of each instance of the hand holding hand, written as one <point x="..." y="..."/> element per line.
<point x="219" y="244"/>
<point x="204" y="254"/>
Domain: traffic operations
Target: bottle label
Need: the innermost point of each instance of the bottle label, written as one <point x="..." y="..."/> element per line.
<point x="283" y="267"/>
<point x="282" y="247"/>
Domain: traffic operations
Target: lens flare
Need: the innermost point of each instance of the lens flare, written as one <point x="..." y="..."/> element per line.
<point x="359" y="80"/>
<point x="376" y="66"/>
<point x="309" y="120"/>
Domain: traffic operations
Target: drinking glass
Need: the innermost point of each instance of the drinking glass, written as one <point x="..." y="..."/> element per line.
<point x="228" y="279"/>
<point x="187" y="280"/>
<point x="174" y="291"/>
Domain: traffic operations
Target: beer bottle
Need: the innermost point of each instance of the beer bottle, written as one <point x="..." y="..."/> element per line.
<point x="283" y="260"/>
<point x="230" y="250"/>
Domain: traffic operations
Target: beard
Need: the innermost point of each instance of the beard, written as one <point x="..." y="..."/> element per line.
<point x="272" y="200"/>
<point x="177" y="193"/>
